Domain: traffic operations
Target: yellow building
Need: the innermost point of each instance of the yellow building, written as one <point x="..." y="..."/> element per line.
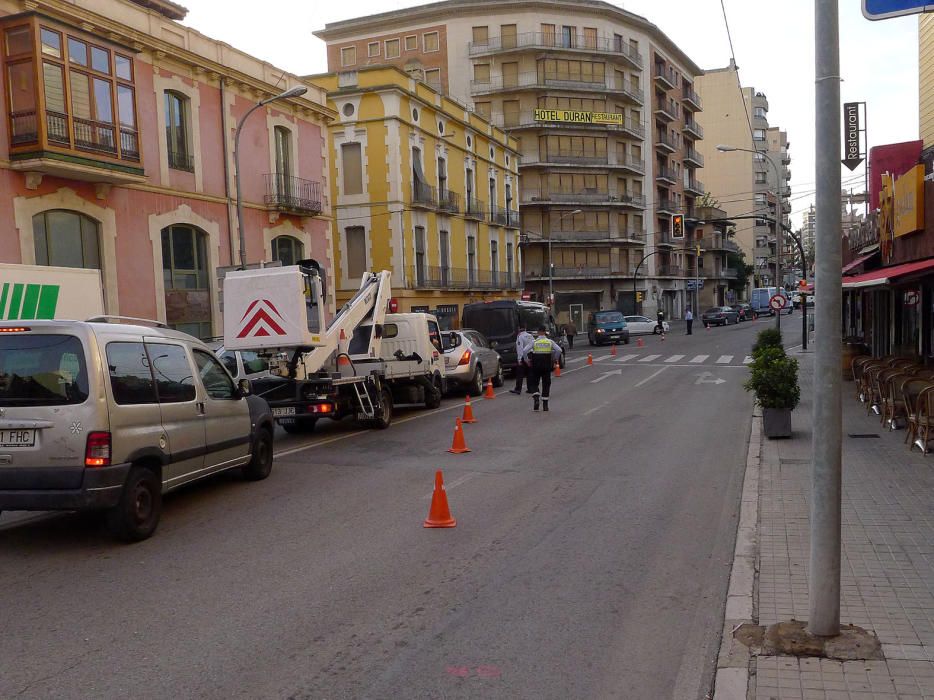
<point x="423" y="187"/>
<point x="926" y="77"/>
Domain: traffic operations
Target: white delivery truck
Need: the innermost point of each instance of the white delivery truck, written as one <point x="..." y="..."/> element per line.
<point x="39" y="292"/>
<point x="358" y="365"/>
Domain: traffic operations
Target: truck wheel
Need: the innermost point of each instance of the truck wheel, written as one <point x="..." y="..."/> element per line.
<point x="384" y="413"/>
<point x="476" y="384"/>
<point x="498" y="379"/>
<point x="260" y="463"/>
<point x="433" y="398"/>
<point x="562" y="361"/>
<point x="136" y="516"/>
<point x="300" y="426"/>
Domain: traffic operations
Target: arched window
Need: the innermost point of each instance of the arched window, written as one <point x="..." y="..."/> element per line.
<point x="185" y="268"/>
<point x="287" y="250"/>
<point x="66" y="239"/>
<point x="177" y="131"/>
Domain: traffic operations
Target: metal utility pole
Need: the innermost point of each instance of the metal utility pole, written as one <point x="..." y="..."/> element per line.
<point x="826" y="473"/>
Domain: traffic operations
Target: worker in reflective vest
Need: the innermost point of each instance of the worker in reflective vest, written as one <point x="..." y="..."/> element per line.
<point x="542" y="356"/>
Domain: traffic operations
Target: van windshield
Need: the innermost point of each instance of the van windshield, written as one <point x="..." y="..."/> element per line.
<point x="491" y="321"/>
<point x="608" y="317"/>
<point x="42" y="370"/>
<point x="533" y="318"/>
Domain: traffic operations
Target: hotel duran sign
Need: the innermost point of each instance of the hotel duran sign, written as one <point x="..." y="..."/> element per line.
<point x="575" y="117"/>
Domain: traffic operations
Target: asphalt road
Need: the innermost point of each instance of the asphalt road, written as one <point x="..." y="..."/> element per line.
<point x="590" y="559"/>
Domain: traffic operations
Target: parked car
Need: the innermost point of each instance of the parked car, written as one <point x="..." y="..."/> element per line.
<point x="607" y="327"/>
<point x="242" y="364"/>
<point x="641" y="325"/>
<point x="470" y="361"/>
<point x="499" y="322"/>
<point x="744" y="311"/>
<point x="720" y="316"/>
<point x="110" y="416"/>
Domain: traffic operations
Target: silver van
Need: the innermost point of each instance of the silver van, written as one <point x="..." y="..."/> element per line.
<point x="110" y="416"/>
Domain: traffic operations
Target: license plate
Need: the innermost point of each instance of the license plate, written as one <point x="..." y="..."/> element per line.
<point x="284" y="411"/>
<point x="17" y="438"/>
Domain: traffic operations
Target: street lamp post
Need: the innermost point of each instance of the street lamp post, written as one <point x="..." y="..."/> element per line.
<point x="551" y="265"/>
<point x="778" y="219"/>
<point x="293" y="92"/>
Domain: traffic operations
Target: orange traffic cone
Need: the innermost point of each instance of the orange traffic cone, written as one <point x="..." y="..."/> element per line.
<point x="640" y="343"/>
<point x="439" y="515"/>
<point x="459" y="446"/>
<point x="489" y="393"/>
<point x="342" y="358"/>
<point x="613" y="350"/>
<point x="557" y="369"/>
<point x="468" y="412"/>
<point x="663" y="337"/>
<point x="589" y="358"/>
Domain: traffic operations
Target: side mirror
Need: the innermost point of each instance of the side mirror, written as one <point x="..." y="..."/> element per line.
<point x="245" y="387"/>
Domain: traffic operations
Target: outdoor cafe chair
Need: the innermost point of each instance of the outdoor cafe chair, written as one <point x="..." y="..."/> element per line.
<point x="877" y="375"/>
<point x="925" y="419"/>
<point x="866" y="379"/>
<point x="892" y="407"/>
<point x="912" y="390"/>
<point x="857" y="367"/>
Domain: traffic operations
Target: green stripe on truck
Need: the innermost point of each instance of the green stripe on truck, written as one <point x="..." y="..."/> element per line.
<point x="3" y="295"/>
<point x="30" y="302"/>
<point x="15" y="300"/>
<point x="48" y="300"/>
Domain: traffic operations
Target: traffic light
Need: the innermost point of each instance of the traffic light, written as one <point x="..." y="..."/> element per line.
<point x="677" y="226"/>
<point x="638" y="297"/>
<point x="802" y="284"/>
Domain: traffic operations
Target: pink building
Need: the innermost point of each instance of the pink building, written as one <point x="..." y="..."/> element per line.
<point x="116" y="153"/>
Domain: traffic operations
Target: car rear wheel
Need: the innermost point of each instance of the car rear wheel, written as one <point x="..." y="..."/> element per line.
<point x="433" y="398"/>
<point x="260" y="464"/>
<point x="656" y="330"/>
<point x="136" y="515"/>
<point x="498" y="379"/>
<point x="562" y="361"/>
<point x="475" y="388"/>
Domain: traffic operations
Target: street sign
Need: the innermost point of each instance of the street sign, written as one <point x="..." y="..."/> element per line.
<point x="777" y="302"/>
<point x="694" y="285"/>
<point x="851" y="135"/>
<point x="883" y="9"/>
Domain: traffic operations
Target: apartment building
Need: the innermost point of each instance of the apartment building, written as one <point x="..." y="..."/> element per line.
<point x="603" y="108"/>
<point x="748" y="181"/>
<point x="422" y="187"/>
<point x="116" y="154"/>
<point x="926" y="78"/>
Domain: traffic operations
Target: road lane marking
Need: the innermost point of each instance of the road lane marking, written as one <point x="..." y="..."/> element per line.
<point x="704" y="378"/>
<point x="598" y="408"/>
<point x="675" y="358"/>
<point x="649" y="358"/>
<point x="605" y="375"/>
<point x="699" y="358"/>
<point x="725" y="359"/>
<point x="448" y="485"/>
<point x="626" y="358"/>
<point x="747" y="360"/>
<point x="602" y="358"/>
<point x="651" y="377"/>
<point x="577" y="359"/>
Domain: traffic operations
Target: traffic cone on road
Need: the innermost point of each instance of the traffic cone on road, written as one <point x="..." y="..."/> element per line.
<point x="558" y="369"/>
<point x="489" y="393"/>
<point x="468" y="412"/>
<point x="663" y="337"/>
<point x="459" y="446"/>
<point x="439" y="514"/>
<point x="613" y="350"/>
<point x="589" y="358"/>
<point x="640" y="343"/>
<point x="342" y="358"/>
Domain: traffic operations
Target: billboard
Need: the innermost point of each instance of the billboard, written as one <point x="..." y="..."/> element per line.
<point x="575" y="117"/>
<point x="909" y="202"/>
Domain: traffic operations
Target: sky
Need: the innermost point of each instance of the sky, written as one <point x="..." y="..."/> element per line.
<point x="773" y="43"/>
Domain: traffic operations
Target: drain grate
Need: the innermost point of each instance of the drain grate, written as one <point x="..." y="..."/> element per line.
<point x="863" y="436"/>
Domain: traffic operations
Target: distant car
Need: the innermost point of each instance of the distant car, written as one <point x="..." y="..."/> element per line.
<point x="744" y="311"/>
<point x="607" y="327"/>
<point x="720" y="316"/>
<point x="470" y="361"/>
<point x="641" y="325"/>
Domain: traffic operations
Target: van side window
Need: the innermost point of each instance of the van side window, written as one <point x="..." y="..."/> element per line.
<point x="434" y="335"/>
<point x="130" y="374"/>
<point x="215" y="379"/>
<point x="172" y="370"/>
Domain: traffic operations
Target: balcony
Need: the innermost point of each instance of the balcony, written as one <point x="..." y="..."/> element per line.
<point x="691" y="99"/>
<point x="552" y="81"/>
<point x="665" y="143"/>
<point x="667" y="111"/>
<point x="692" y="157"/>
<point x="498" y="215"/>
<point x="727" y="273"/>
<point x="583" y="197"/>
<point x="581" y="272"/>
<point x="292" y="194"/>
<point x="663" y="205"/>
<point x="786" y="158"/>
<point x="665" y="77"/>
<point x="670" y="271"/>
<point x="449" y="201"/>
<point x="431" y="277"/>
<point x="181" y="161"/>
<point x="474" y="209"/>
<point x="551" y="42"/>
<point x="665" y="174"/>
<point x="692" y="128"/>
<point x="695" y="187"/>
<point x="539" y="119"/>
<point x="424" y="196"/>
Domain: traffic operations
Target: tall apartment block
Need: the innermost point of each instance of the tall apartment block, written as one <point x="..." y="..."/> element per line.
<point x="744" y="182"/>
<point x="603" y="106"/>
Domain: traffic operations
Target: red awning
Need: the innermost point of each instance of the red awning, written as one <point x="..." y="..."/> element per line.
<point x="856" y="263"/>
<point x="886" y="274"/>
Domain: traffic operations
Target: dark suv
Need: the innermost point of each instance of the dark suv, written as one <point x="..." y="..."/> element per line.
<point x="607" y="327"/>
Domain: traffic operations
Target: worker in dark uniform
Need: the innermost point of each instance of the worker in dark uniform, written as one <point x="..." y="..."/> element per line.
<point x="660" y="326"/>
<point x="542" y="355"/>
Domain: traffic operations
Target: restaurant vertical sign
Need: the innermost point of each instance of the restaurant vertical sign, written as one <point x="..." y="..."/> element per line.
<point x="854" y="134"/>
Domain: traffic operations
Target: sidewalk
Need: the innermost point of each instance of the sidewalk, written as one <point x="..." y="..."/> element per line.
<point x="887" y="567"/>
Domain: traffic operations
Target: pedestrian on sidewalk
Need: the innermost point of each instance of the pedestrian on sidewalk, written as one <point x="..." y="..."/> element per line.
<point x="543" y="355"/>
<point x="570" y="330"/>
<point x="689" y="319"/>
<point x="523" y="345"/>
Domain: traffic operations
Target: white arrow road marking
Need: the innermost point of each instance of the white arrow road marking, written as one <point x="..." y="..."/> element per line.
<point x="597" y="408"/>
<point x="725" y="359"/>
<point x="675" y="358"/>
<point x="650" y="377"/>
<point x="605" y="375"/>
<point x="747" y="360"/>
<point x="705" y="378"/>
<point x="626" y="358"/>
<point x="649" y="358"/>
<point x="699" y="358"/>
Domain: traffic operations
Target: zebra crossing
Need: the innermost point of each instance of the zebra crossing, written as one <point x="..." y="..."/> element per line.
<point x="675" y="359"/>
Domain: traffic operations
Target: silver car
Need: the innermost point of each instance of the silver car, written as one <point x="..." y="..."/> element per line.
<point x="109" y="416"/>
<point x="469" y="361"/>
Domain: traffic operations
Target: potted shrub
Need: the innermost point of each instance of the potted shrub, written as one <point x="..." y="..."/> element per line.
<point x="767" y="338"/>
<point x="774" y="379"/>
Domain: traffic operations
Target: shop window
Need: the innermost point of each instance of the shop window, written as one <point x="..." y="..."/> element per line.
<point x="66" y="239"/>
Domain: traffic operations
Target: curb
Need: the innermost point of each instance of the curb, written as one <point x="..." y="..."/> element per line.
<point x="733" y="661"/>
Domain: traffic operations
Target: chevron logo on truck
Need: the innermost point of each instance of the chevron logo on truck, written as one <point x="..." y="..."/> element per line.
<point x="261" y="320"/>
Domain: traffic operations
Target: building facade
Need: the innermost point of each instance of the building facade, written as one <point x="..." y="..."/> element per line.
<point x="603" y="107"/>
<point x="926" y="78"/>
<point x="422" y="187"/>
<point x="117" y="154"/>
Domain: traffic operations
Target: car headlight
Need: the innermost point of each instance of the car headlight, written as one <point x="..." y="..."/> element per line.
<point x="600" y="330"/>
